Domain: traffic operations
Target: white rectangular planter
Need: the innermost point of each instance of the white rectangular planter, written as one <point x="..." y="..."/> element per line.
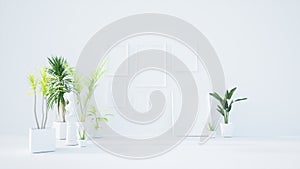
<point x="226" y="129"/>
<point x="61" y="130"/>
<point x="42" y="140"/>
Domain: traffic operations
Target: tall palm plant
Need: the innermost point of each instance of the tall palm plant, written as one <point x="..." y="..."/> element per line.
<point x="43" y="83"/>
<point x="84" y="88"/>
<point x="33" y="83"/>
<point x="60" y="83"/>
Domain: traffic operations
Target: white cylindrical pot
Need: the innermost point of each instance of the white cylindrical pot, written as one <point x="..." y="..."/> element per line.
<point x="71" y="139"/>
<point x="226" y="129"/>
<point x="61" y="130"/>
<point x="42" y="140"/>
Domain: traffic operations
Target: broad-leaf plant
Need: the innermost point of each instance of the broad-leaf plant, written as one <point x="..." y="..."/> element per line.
<point x="226" y="103"/>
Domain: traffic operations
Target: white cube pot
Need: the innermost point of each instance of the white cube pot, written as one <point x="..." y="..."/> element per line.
<point x="226" y="129"/>
<point x="42" y="140"/>
<point x="82" y="143"/>
<point x="61" y="130"/>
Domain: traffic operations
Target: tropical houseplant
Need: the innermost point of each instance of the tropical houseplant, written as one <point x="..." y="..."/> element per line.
<point x="84" y="88"/>
<point x="224" y="107"/>
<point x="60" y="84"/>
<point x="41" y="138"/>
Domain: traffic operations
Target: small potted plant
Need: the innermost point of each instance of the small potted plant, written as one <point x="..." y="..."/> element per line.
<point x="212" y="130"/>
<point x="224" y="108"/>
<point x="41" y="138"/>
<point x="83" y="89"/>
<point x="60" y="84"/>
<point x="82" y="138"/>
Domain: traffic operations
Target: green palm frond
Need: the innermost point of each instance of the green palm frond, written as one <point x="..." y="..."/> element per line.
<point x="84" y="88"/>
<point x="60" y="82"/>
<point x="92" y="81"/>
<point x="217" y="96"/>
<point x="78" y="82"/>
<point x="44" y="82"/>
<point x="237" y="100"/>
<point x="33" y="82"/>
<point x="231" y="93"/>
<point x="93" y="109"/>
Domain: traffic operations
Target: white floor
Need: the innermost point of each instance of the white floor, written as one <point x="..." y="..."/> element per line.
<point x="252" y="153"/>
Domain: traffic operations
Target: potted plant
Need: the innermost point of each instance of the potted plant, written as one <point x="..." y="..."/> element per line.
<point x="60" y="84"/>
<point x="41" y="138"/>
<point x="224" y="108"/>
<point x="82" y="138"/>
<point x="83" y="89"/>
<point x="212" y="130"/>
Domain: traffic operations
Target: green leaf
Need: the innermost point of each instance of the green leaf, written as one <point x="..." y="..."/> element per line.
<point x="231" y="93"/>
<point x="225" y="104"/>
<point x="33" y="82"/>
<point x="226" y="94"/>
<point x="230" y="106"/>
<point x="102" y="112"/>
<point x="93" y="109"/>
<point x="44" y="82"/>
<point x="96" y="126"/>
<point x="237" y="100"/>
<point x="220" y="110"/>
<point x="216" y="96"/>
<point x="211" y="127"/>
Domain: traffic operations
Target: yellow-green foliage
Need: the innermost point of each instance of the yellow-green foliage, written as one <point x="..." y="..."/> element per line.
<point x="33" y="82"/>
<point x="44" y="82"/>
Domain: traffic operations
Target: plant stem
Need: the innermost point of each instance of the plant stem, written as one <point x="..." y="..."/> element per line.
<point x="226" y="114"/>
<point x="82" y="118"/>
<point x="47" y="109"/>
<point x="43" y="113"/>
<point x="63" y="113"/>
<point x="34" y="109"/>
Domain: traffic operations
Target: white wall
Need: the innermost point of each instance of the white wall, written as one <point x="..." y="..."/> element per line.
<point x="256" y="41"/>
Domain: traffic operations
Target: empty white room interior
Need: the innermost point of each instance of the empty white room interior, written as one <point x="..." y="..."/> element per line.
<point x="257" y="44"/>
